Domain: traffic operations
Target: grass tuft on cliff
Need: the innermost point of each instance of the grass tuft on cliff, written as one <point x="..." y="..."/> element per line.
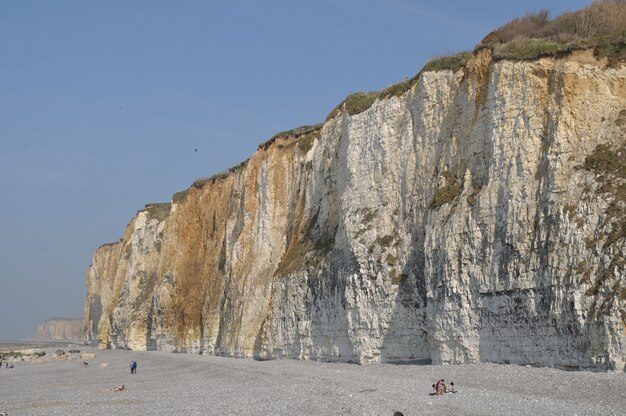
<point x="299" y="133"/>
<point x="448" y="63"/>
<point x="159" y="211"/>
<point x="609" y="166"/>
<point x="529" y="48"/>
<point x="180" y="197"/>
<point x="447" y="193"/>
<point x="605" y="160"/>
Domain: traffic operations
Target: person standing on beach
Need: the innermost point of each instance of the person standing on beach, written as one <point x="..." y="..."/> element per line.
<point x="133" y="367"/>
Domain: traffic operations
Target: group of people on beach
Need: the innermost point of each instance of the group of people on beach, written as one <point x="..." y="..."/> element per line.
<point x="6" y="364"/>
<point x="440" y="388"/>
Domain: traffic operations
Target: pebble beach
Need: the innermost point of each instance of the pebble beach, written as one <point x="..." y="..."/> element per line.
<point x="192" y="384"/>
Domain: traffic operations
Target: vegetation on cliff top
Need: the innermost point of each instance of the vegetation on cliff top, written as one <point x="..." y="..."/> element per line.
<point x="180" y="197"/>
<point x="448" y="63"/>
<point x="159" y="211"/>
<point x="601" y="26"/>
<point x="303" y="136"/>
<point x="298" y="134"/>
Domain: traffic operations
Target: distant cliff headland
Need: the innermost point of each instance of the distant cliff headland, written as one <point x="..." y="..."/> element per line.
<point x="473" y="213"/>
<point x="61" y="329"/>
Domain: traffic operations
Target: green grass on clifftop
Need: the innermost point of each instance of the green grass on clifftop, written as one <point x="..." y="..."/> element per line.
<point x="601" y="26"/>
<point x="523" y="49"/>
<point x="159" y="211"/>
<point x="448" y="63"/>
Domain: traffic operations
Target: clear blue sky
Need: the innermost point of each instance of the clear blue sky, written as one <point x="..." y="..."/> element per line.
<point x="102" y="104"/>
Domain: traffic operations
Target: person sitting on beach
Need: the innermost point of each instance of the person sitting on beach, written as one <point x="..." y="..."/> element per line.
<point x="85" y="364"/>
<point x="440" y="387"/>
<point x="452" y="389"/>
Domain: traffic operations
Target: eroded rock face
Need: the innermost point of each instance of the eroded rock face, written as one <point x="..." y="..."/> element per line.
<point x="477" y="217"/>
<point x="61" y="330"/>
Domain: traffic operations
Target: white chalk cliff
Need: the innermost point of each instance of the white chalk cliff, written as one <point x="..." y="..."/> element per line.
<point x="480" y="215"/>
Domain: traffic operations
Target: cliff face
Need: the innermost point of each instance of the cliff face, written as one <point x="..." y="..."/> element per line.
<point x="480" y="216"/>
<point x="61" y="330"/>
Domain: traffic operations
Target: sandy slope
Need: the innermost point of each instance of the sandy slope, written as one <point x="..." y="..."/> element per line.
<point x="185" y="384"/>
